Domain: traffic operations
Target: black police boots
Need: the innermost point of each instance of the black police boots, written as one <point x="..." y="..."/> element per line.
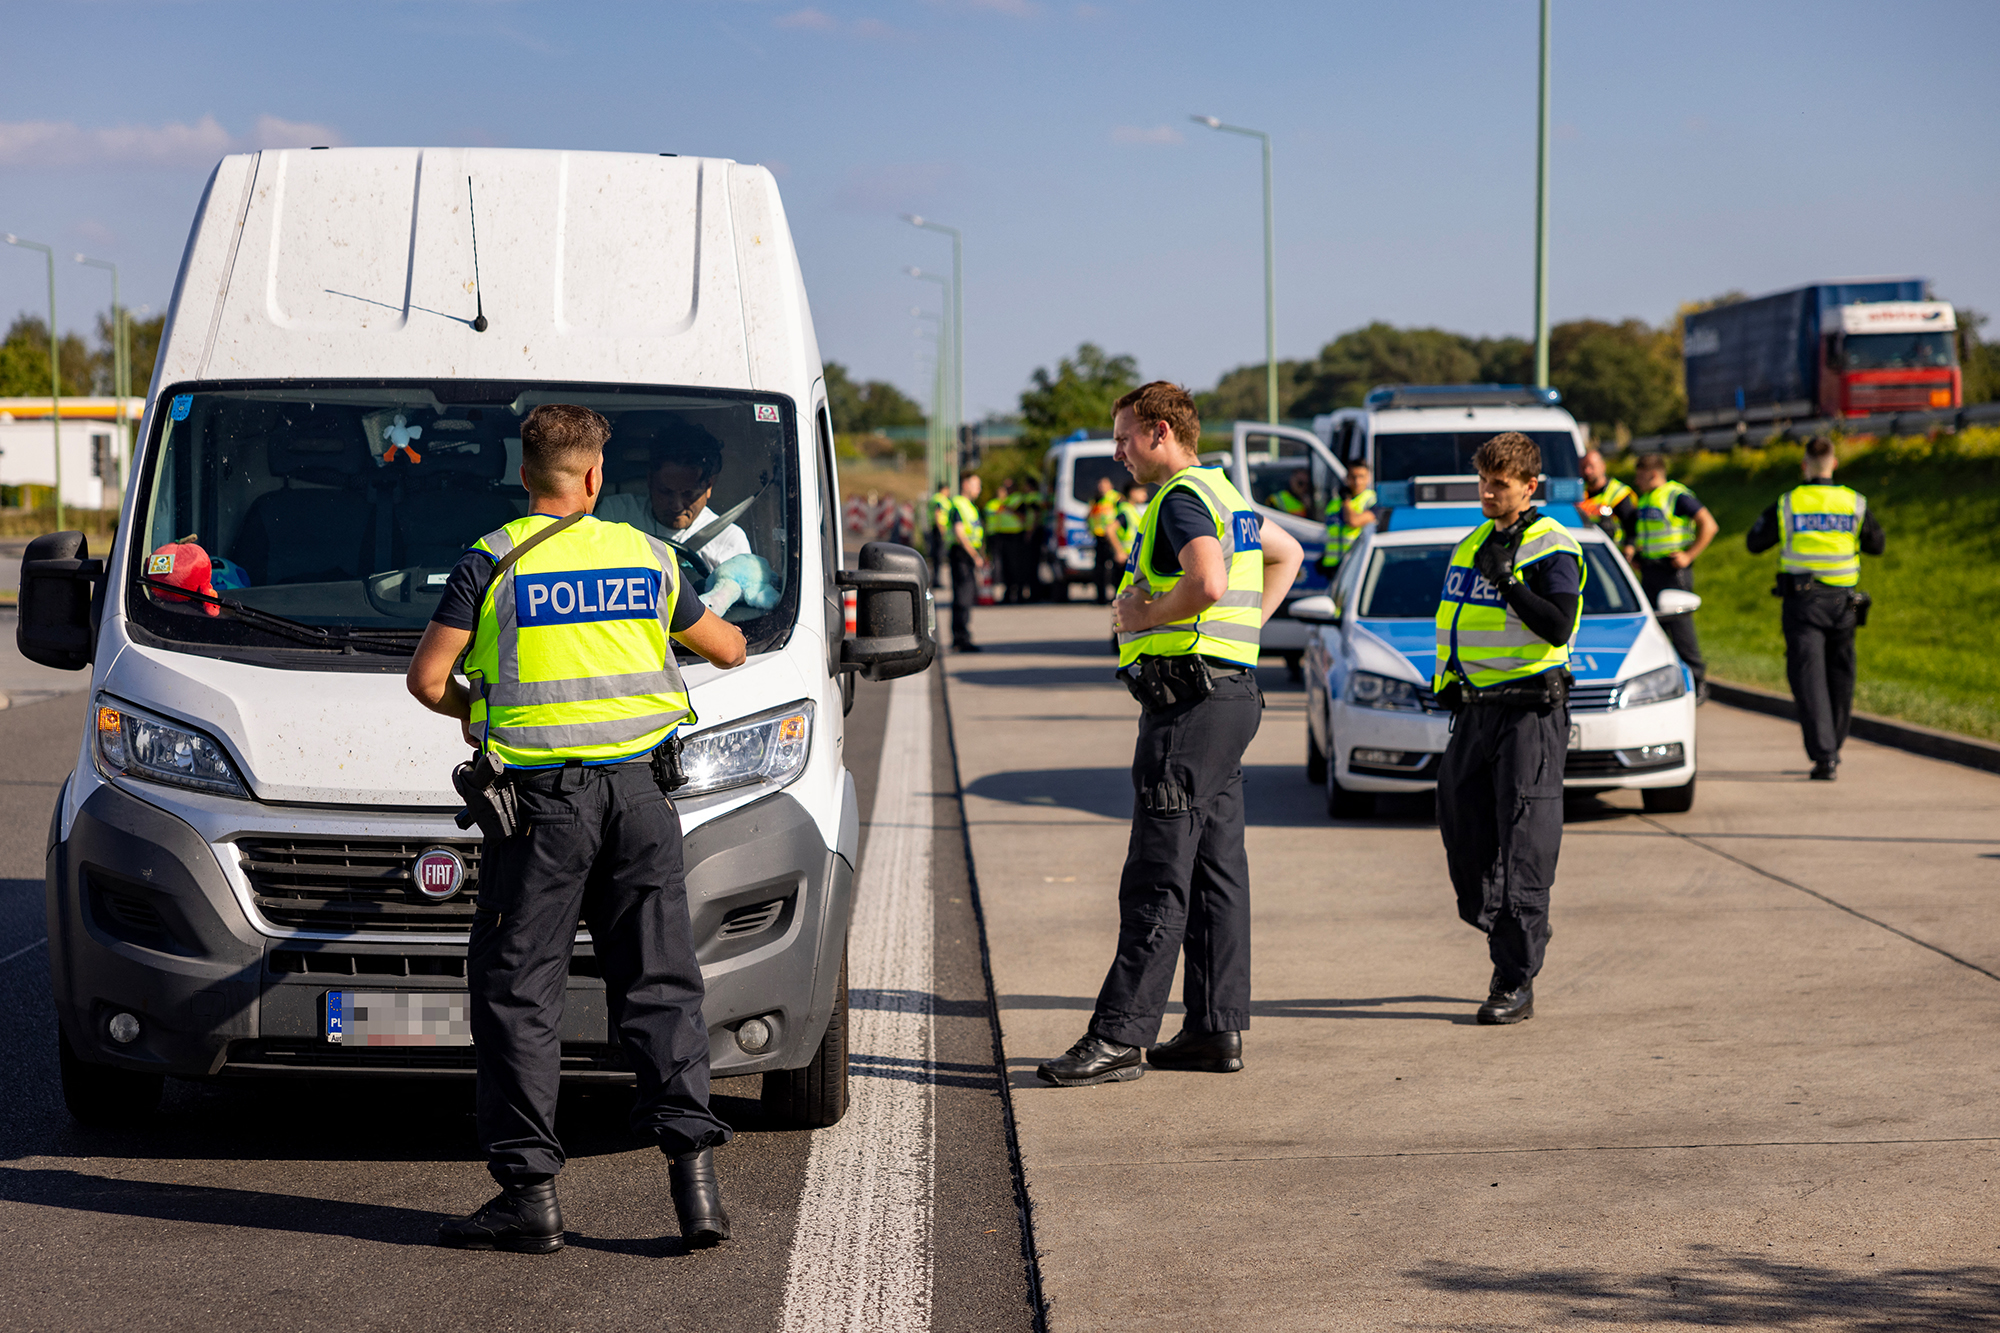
<point x="1202" y="1052"/>
<point x="698" y="1199"/>
<point x="1826" y="770"/>
<point x="1093" y="1060"/>
<point x="522" y="1218"/>
<point x="1509" y="1006"/>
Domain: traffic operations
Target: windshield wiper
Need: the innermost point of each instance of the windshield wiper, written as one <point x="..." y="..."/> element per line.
<point x="284" y="626"/>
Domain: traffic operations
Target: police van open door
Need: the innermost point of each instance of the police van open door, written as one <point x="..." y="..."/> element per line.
<point x="1289" y="477"/>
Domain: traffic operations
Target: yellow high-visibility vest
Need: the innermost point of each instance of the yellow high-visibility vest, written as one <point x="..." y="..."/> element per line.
<point x="1661" y="530"/>
<point x="570" y="658"/>
<point x="1230" y="629"/>
<point x="1340" y="537"/>
<point x="1822" y="533"/>
<point x="1478" y="635"/>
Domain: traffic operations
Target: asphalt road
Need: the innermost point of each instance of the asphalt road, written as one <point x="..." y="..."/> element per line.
<point x="314" y="1204"/>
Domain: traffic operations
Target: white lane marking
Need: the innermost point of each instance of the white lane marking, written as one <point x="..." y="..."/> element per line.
<point x="24" y="949"/>
<point x="861" y="1259"/>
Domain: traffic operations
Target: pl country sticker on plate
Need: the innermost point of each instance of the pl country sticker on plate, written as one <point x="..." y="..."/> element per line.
<point x="767" y="411"/>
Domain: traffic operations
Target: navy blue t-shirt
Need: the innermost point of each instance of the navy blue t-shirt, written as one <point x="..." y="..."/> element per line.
<point x="1183" y="517"/>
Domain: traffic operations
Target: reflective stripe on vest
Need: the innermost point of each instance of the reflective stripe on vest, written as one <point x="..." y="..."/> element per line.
<point x="1661" y="530"/>
<point x="963" y="511"/>
<point x="1228" y="630"/>
<point x="571" y="659"/>
<point x="1478" y="633"/>
<point x="1822" y="533"/>
<point x="1340" y="538"/>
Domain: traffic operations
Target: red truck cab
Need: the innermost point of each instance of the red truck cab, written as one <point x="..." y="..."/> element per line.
<point x="1890" y="356"/>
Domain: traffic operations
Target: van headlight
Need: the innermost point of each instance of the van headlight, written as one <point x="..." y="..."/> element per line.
<point x="1650" y="688"/>
<point x="770" y="748"/>
<point x="138" y="745"/>
<point x="1368" y="690"/>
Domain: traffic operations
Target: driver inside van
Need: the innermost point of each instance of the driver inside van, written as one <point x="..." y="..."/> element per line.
<point x="685" y="462"/>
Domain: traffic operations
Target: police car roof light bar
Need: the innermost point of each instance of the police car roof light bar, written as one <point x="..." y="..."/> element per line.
<point x="1463" y="395"/>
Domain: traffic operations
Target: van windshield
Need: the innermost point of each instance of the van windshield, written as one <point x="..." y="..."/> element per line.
<point x="1448" y="453"/>
<point x="1406" y="582"/>
<point x="1086" y="472"/>
<point x="344" y="506"/>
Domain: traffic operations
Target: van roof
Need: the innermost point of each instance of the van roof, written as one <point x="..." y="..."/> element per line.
<point x="358" y="263"/>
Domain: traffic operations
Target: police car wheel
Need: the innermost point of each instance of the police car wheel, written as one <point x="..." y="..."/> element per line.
<point x="1343" y="803"/>
<point x="816" y="1096"/>
<point x="101" y="1095"/>
<point x="1315" y="759"/>
<point x="1668" y="800"/>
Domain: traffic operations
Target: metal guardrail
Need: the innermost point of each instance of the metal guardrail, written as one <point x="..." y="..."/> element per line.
<point x="1887" y="423"/>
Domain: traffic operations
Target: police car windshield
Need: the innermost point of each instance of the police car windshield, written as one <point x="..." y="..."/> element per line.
<point x="345" y="505"/>
<point x="1405" y="582"/>
<point x="1402" y="455"/>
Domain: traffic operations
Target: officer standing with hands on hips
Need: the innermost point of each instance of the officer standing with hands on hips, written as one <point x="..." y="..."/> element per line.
<point x="571" y="712"/>
<point x="1513" y="598"/>
<point x="1202" y="580"/>
<point x="1822" y="531"/>
<point x="1672" y="529"/>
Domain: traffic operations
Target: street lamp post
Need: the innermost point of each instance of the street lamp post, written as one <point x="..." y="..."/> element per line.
<point x="1542" y="215"/>
<point x="120" y="359"/>
<point x="957" y="331"/>
<point x="949" y="409"/>
<point x="55" y="368"/>
<point x="935" y="449"/>
<point x="1270" y="268"/>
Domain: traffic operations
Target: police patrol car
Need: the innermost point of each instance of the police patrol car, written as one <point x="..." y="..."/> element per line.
<point x="1373" y="725"/>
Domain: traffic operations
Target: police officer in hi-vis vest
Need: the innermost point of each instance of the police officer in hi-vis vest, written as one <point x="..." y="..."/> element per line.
<point x="1513" y="597"/>
<point x="1352" y="510"/>
<point x="1103" y="514"/>
<point x="572" y="695"/>
<point x="1822" y="531"/>
<point x="1671" y="530"/>
<point x="1205" y="575"/>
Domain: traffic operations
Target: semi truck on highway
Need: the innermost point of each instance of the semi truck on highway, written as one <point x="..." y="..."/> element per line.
<point x="1834" y="350"/>
<point x="254" y="870"/>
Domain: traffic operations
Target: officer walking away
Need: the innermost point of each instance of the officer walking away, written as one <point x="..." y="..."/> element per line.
<point x="1103" y="514"/>
<point x="940" y="531"/>
<point x="1352" y="510"/>
<point x="1513" y="597"/>
<point x="1672" y="530"/>
<point x="967" y="551"/>
<point x="1608" y="502"/>
<point x="566" y="709"/>
<point x="1205" y="576"/>
<point x="1822" y="531"/>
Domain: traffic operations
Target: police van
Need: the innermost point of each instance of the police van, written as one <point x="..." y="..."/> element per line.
<point x="254" y="870"/>
<point x="1071" y="469"/>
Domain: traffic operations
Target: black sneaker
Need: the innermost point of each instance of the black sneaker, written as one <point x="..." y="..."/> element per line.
<point x="1093" y="1060"/>
<point x="1201" y="1052"/>
<point x="524" y="1219"/>
<point x="1509" y="1006"/>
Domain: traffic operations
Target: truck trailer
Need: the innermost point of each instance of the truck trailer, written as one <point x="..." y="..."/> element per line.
<point x="1835" y="349"/>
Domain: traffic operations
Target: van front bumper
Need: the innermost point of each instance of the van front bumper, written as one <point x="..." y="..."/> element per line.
<point x="149" y="915"/>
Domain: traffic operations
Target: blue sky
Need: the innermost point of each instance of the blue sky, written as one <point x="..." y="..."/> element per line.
<point x="1698" y="147"/>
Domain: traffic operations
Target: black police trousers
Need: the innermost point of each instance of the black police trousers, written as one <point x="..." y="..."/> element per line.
<point x="1655" y="576"/>
<point x="1500" y="809"/>
<point x="1107" y="571"/>
<point x="1186" y="882"/>
<point x="601" y="844"/>
<point x="964" y="595"/>
<point x="1819" y="662"/>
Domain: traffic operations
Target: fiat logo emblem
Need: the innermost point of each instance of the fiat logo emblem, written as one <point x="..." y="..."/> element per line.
<point x="439" y="873"/>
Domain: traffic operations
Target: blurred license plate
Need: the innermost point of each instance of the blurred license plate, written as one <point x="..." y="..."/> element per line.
<point x="398" y="1018"/>
<point x="1575" y="736"/>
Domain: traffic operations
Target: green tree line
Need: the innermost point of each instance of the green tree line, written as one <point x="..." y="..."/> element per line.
<point x="85" y="367"/>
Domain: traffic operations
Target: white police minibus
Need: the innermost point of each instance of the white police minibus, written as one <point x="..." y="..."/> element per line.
<point x="258" y="837"/>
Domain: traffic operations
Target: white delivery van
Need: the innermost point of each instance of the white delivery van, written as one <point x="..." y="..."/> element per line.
<point x="259" y="830"/>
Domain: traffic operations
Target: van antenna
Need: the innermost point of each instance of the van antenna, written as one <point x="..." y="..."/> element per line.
<point x="478" y="297"/>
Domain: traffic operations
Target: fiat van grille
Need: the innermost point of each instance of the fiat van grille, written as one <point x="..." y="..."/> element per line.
<point x="350" y="885"/>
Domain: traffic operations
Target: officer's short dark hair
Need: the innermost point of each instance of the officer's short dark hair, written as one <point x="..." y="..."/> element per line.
<point x="1509" y="454"/>
<point x="684" y="444"/>
<point x="1651" y="463"/>
<point x="559" y="442"/>
<point x="1161" y="401"/>
<point x="1819" y="447"/>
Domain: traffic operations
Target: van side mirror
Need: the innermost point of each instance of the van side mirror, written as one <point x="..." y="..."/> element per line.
<point x="1317" y="610"/>
<point x="1677" y="602"/>
<point x="895" y="617"/>
<point x="58" y="620"/>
